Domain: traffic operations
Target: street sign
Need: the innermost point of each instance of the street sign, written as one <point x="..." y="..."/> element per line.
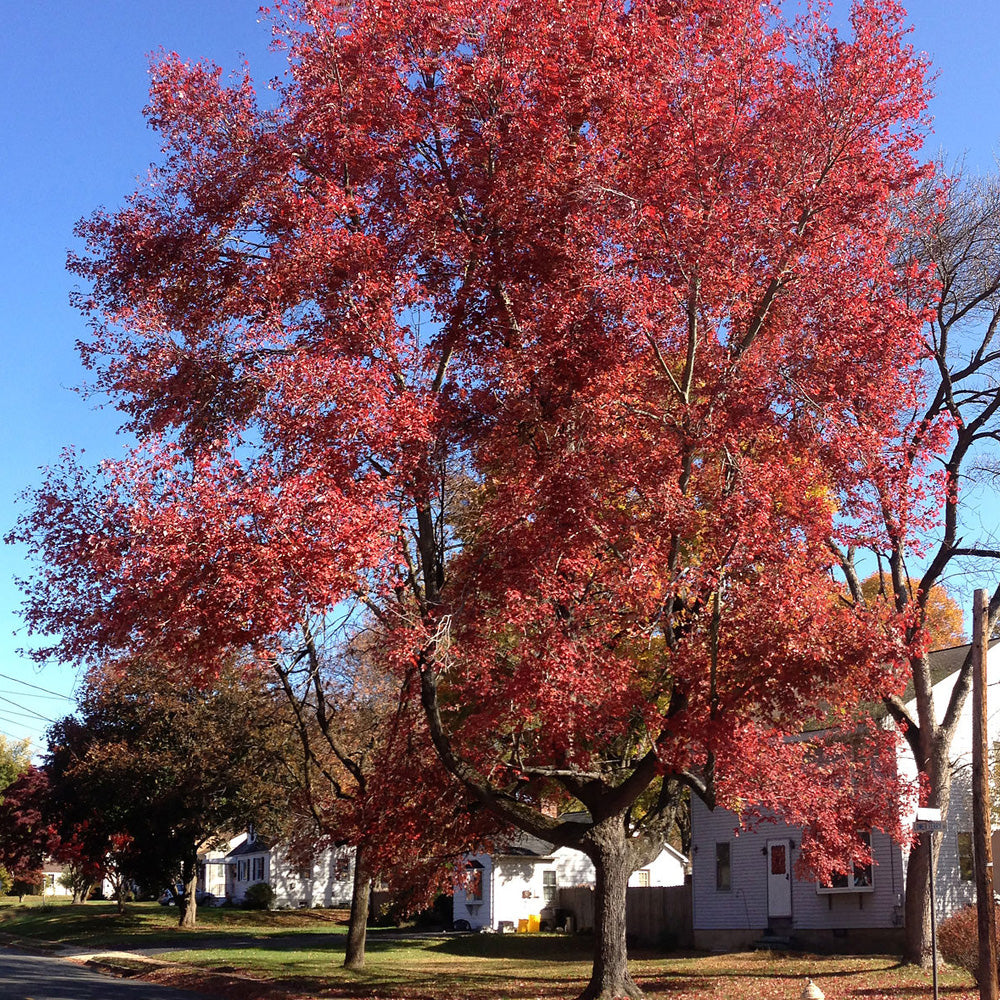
<point x="928" y="821"/>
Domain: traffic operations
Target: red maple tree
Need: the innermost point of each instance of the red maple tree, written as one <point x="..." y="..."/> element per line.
<point x="559" y="335"/>
<point x="27" y="833"/>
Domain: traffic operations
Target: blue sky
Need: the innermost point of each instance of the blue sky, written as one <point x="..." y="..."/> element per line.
<point x="73" y="80"/>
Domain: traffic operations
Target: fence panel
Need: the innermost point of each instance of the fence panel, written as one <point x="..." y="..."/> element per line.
<point x="654" y="915"/>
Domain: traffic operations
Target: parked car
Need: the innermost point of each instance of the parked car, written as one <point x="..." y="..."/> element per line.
<point x="169" y="896"/>
<point x="201" y="897"/>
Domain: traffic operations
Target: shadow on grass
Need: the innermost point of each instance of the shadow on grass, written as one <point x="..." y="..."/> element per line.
<point x="436" y="986"/>
<point x="518" y="947"/>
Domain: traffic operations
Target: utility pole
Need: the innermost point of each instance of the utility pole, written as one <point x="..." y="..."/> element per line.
<point x="982" y="848"/>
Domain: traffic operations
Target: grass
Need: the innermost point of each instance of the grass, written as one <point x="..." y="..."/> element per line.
<point x="299" y="954"/>
<point x="547" y="968"/>
<point x="99" y="925"/>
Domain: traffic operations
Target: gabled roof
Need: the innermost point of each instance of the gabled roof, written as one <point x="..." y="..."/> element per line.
<point x="944" y="663"/>
<point x="524" y="845"/>
<point x="256" y="846"/>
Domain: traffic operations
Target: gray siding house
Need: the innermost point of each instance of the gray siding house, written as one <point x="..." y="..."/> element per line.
<point x="744" y="887"/>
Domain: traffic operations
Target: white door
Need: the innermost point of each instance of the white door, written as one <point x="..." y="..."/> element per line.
<point x="779" y="879"/>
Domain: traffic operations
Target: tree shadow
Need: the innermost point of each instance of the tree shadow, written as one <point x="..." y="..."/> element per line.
<point x="518" y="947"/>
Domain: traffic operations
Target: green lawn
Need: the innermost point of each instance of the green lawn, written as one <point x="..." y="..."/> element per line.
<point x="544" y="967"/>
<point x="301" y="952"/>
<point x="98" y="924"/>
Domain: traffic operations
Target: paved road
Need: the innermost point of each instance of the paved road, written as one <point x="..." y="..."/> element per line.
<point x="40" y="977"/>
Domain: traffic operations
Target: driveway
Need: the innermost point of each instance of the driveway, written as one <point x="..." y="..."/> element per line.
<point x="41" y="977"/>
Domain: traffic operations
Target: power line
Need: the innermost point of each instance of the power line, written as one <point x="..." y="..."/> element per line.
<point x="11" y="711"/>
<point x="27" y="694"/>
<point x="17" y="680"/>
<point x="17" y="704"/>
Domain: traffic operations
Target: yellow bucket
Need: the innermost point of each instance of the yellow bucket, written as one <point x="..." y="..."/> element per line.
<point x="522" y="926"/>
<point x="534" y="923"/>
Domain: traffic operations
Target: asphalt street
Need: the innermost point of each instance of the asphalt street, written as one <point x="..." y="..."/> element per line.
<point x="40" y="977"/>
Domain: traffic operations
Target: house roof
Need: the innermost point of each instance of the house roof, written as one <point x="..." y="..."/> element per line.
<point x="944" y="663"/>
<point x="524" y="845"/>
<point x="257" y="846"/>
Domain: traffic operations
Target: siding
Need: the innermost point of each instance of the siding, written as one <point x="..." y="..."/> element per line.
<point x="950" y="891"/>
<point x="744" y="905"/>
<point x="314" y="885"/>
<point x="476" y="913"/>
<point x="513" y="885"/>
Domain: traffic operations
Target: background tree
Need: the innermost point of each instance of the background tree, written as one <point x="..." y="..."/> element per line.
<point x="83" y="857"/>
<point x="157" y="769"/>
<point x="624" y="270"/>
<point x="27" y="835"/>
<point x="370" y="778"/>
<point x="15" y="759"/>
<point x="961" y="246"/>
<point x="943" y="618"/>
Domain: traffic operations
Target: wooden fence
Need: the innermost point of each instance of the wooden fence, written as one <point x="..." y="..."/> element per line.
<point x="654" y="915"/>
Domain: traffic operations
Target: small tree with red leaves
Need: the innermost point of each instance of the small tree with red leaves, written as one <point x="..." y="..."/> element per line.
<point x="27" y="835"/>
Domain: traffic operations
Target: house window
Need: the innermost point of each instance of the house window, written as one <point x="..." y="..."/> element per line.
<point x="474" y="882"/>
<point x="342" y="866"/>
<point x="723" y="868"/>
<point x="965" y="865"/>
<point x="549" y="885"/>
<point x="858" y="877"/>
<point x="642" y="878"/>
<point x="258" y="869"/>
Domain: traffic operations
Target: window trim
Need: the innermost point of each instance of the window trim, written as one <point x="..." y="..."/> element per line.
<point x="474" y="882"/>
<point x="726" y="865"/>
<point x="969" y="856"/>
<point x="855" y="883"/>
<point x="550" y="885"/>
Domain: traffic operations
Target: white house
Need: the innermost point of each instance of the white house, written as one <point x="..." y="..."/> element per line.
<point x="744" y="886"/>
<point x="327" y="880"/>
<point x="521" y="881"/>
<point x="212" y="869"/>
<point x="52" y="871"/>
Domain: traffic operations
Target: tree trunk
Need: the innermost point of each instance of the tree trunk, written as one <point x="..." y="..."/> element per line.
<point x="611" y="855"/>
<point x="188" y="905"/>
<point x="917" y="912"/>
<point x="81" y="893"/>
<point x="357" y="928"/>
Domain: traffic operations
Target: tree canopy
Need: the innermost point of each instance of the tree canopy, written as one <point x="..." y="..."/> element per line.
<point x="151" y="770"/>
<point x="562" y="338"/>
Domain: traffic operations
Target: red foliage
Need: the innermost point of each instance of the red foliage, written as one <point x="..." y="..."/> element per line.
<point x="958" y="939"/>
<point x="564" y="336"/>
<point x="27" y="836"/>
